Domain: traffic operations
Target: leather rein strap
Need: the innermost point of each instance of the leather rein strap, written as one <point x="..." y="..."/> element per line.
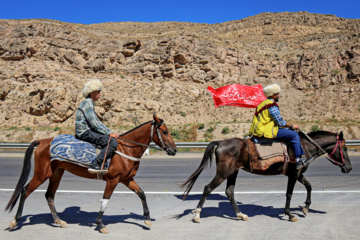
<point x="329" y="157"/>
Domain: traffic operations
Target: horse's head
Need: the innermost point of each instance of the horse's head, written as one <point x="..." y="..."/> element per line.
<point x="338" y="152"/>
<point x="162" y="137"/>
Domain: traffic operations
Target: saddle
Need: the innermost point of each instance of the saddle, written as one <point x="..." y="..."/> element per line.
<point x="264" y="152"/>
<point x="69" y="148"/>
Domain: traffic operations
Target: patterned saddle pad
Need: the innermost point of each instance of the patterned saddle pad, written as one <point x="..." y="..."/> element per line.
<point x="68" y="148"/>
<point x="264" y="155"/>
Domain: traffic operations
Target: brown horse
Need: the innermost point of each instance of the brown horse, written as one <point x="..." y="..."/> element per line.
<point x="232" y="155"/>
<point x="122" y="169"/>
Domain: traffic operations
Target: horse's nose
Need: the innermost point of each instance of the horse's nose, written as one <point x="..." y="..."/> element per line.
<point x="172" y="152"/>
<point x="346" y="169"/>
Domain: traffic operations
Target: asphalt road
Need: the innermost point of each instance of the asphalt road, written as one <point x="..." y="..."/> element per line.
<point x="334" y="212"/>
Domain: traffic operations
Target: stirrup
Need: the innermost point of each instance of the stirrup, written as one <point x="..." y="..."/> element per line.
<point x="103" y="172"/>
<point x="96" y="169"/>
<point x="302" y="163"/>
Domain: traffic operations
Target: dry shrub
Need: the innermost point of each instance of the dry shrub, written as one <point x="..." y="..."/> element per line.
<point x="193" y="133"/>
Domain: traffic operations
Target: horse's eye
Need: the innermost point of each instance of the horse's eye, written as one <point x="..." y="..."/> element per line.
<point x="165" y="132"/>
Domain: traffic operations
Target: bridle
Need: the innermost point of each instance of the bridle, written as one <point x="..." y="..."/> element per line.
<point x="162" y="147"/>
<point x="338" y="143"/>
<point x="162" y="144"/>
<point x="330" y="156"/>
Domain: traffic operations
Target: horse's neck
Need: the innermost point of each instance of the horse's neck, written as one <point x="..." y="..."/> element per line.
<point x="323" y="142"/>
<point x="140" y="135"/>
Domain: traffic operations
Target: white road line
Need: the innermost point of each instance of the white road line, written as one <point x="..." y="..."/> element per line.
<point x="192" y="193"/>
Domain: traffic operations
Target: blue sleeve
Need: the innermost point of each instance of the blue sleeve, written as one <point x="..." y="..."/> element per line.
<point x="275" y="114"/>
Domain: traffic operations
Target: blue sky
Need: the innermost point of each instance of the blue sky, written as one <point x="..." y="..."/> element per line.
<point x="209" y="11"/>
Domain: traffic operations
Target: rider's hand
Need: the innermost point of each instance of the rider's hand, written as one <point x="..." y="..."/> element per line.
<point x="296" y="127"/>
<point x="114" y="135"/>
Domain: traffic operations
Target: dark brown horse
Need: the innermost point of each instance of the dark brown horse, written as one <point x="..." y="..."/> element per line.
<point x="232" y="155"/>
<point x="121" y="170"/>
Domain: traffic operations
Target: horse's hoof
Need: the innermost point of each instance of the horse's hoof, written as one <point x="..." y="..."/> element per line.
<point x="148" y="223"/>
<point x="243" y="217"/>
<point x="305" y="210"/>
<point x="62" y="223"/>
<point x="104" y="230"/>
<point x="293" y="219"/>
<point x="197" y="212"/>
<point x="12" y="224"/>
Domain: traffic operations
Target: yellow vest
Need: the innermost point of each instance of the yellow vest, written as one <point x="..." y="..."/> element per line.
<point x="263" y="125"/>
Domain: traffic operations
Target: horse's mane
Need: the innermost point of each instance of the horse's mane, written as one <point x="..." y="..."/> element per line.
<point x="318" y="134"/>
<point x="134" y="128"/>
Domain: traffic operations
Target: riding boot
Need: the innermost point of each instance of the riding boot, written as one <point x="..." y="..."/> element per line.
<point x="302" y="162"/>
<point x="96" y="167"/>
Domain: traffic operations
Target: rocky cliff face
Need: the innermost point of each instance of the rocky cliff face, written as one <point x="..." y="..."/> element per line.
<point x="166" y="68"/>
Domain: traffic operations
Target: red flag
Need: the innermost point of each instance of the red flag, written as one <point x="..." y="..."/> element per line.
<point x="238" y="95"/>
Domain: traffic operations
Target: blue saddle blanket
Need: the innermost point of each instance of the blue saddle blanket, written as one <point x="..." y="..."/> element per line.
<point x="68" y="148"/>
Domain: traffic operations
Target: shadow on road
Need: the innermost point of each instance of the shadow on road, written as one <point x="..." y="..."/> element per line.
<point x="225" y="209"/>
<point x="74" y="215"/>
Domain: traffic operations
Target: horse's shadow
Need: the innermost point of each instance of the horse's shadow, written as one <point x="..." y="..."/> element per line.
<point x="74" y="215"/>
<point x="225" y="209"/>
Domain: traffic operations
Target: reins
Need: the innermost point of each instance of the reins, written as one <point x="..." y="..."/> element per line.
<point x="329" y="157"/>
<point x="137" y="143"/>
<point x="151" y="138"/>
<point x="107" y="148"/>
<point x="162" y="147"/>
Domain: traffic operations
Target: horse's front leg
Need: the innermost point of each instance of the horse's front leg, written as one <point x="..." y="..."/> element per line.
<point x="132" y="185"/>
<point x="289" y="192"/>
<point x="308" y="187"/>
<point x="109" y="189"/>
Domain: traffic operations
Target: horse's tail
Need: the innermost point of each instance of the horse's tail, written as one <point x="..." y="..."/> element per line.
<point x="23" y="177"/>
<point x="207" y="158"/>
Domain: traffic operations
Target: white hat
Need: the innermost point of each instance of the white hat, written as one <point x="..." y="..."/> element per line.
<point x="92" y="86"/>
<point x="271" y="90"/>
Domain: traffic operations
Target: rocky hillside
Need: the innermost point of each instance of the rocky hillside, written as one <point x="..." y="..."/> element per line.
<point x="166" y="67"/>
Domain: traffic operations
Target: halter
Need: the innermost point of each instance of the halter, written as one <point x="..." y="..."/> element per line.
<point x="338" y="142"/>
<point x="330" y="157"/>
<point x="162" y="144"/>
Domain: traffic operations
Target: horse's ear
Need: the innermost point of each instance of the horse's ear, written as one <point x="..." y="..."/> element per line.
<point x="341" y="136"/>
<point x="156" y="119"/>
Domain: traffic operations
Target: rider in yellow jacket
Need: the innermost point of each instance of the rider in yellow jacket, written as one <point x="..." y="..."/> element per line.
<point x="267" y="122"/>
